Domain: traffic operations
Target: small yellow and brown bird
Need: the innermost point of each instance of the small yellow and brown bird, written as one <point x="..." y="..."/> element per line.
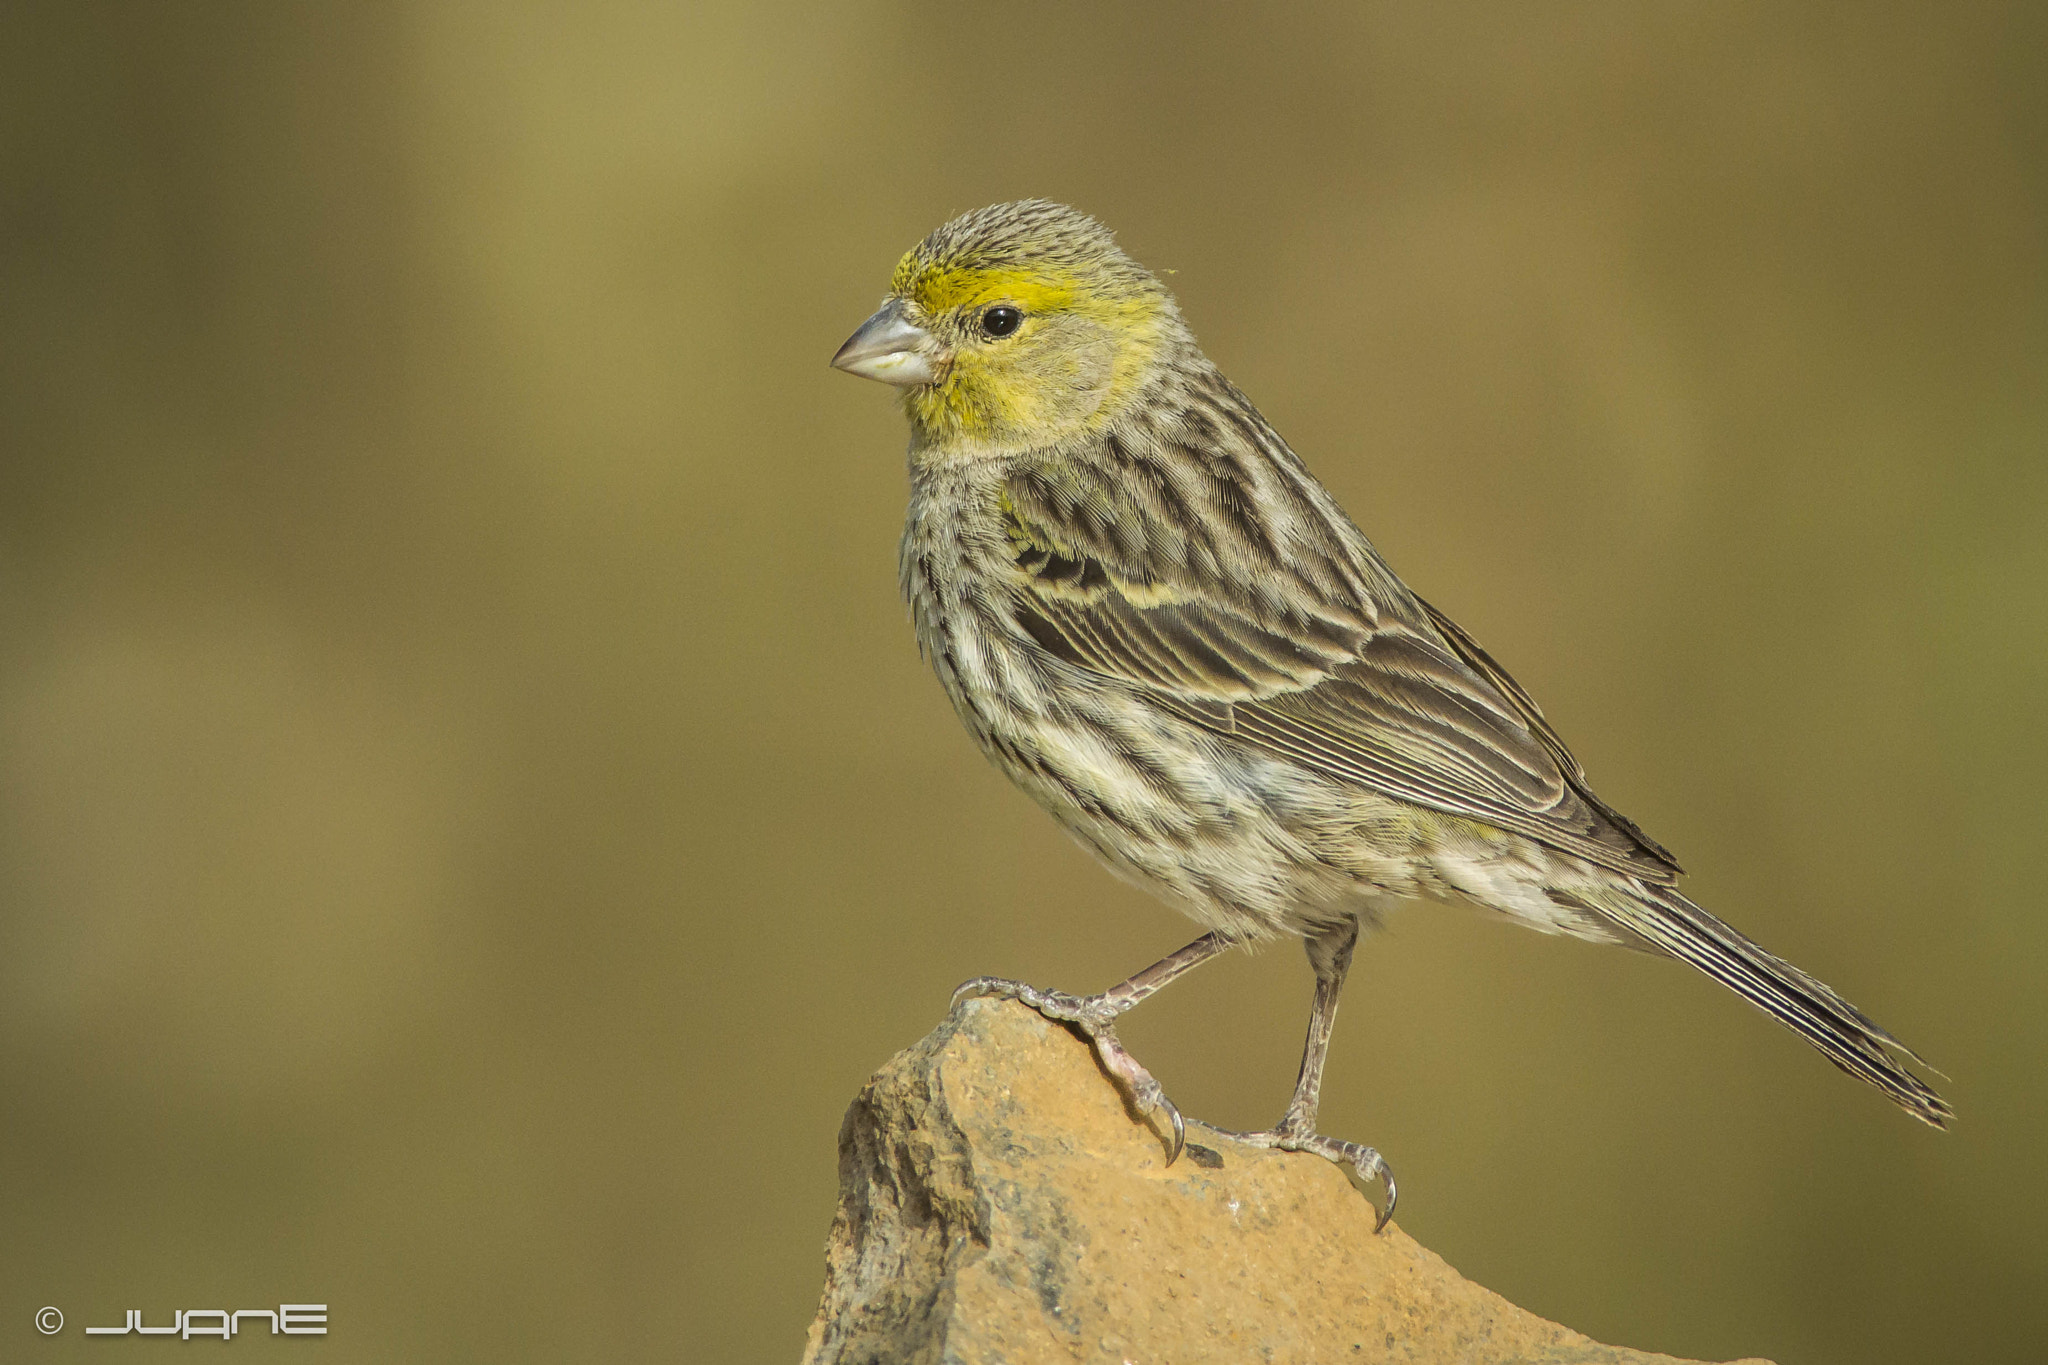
<point x="1160" y="625"/>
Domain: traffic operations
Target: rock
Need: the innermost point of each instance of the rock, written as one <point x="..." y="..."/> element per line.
<point x="999" y="1205"/>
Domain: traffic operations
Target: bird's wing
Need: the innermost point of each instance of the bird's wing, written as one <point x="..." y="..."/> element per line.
<point x="1283" y="629"/>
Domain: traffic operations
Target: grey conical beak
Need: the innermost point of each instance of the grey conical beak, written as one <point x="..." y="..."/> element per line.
<point x="891" y="348"/>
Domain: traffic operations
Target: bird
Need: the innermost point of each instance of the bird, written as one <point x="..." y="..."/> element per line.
<point x="1155" y="620"/>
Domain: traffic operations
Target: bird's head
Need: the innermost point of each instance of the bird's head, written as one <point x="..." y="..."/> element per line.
<point x="1014" y="326"/>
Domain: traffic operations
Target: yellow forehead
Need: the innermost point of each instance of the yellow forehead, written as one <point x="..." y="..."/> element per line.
<point x="940" y="289"/>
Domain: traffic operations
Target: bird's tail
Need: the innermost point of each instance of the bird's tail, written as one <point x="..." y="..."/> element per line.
<point x="1845" y="1035"/>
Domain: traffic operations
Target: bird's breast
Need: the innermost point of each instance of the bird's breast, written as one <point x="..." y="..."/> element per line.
<point x="952" y="557"/>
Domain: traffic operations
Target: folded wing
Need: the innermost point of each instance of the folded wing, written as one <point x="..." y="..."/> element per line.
<point x="1387" y="694"/>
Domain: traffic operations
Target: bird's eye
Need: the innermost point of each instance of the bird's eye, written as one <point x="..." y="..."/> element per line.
<point x="1001" y="321"/>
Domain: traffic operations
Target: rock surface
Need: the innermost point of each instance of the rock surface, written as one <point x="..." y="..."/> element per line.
<point x="1000" y="1206"/>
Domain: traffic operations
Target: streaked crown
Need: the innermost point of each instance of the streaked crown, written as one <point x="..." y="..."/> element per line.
<point x="1032" y="250"/>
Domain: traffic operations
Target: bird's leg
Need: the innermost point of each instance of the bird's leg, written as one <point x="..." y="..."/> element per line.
<point x="1330" y="954"/>
<point x="1096" y="1015"/>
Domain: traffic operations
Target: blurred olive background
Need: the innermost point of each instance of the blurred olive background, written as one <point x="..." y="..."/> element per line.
<point x="471" y="811"/>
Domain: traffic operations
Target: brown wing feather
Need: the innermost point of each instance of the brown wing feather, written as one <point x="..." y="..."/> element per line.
<point x="1388" y="694"/>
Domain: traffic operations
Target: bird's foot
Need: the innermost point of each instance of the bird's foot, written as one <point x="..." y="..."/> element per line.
<point x="1094" y="1015"/>
<point x="1368" y="1165"/>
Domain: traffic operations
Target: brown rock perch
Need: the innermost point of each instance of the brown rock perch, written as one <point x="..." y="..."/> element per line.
<point x="999" y="1206"/>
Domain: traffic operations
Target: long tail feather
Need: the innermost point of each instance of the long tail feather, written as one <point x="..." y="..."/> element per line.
<point x="1845" y="1035"/>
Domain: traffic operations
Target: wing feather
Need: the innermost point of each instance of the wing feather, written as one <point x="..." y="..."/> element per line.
<point x="1389" y="694"/>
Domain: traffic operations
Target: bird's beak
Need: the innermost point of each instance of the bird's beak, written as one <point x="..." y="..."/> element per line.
<point x="891" y="348"/>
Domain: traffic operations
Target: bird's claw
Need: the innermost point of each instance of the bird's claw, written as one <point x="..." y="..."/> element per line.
<point x="1095" y="1016"/>
<point x="1379" y="1224"/>
<point x="1089" y="1011"/>
<point x="1366" y="1163"/>
<point x="1371" y="1166"/>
